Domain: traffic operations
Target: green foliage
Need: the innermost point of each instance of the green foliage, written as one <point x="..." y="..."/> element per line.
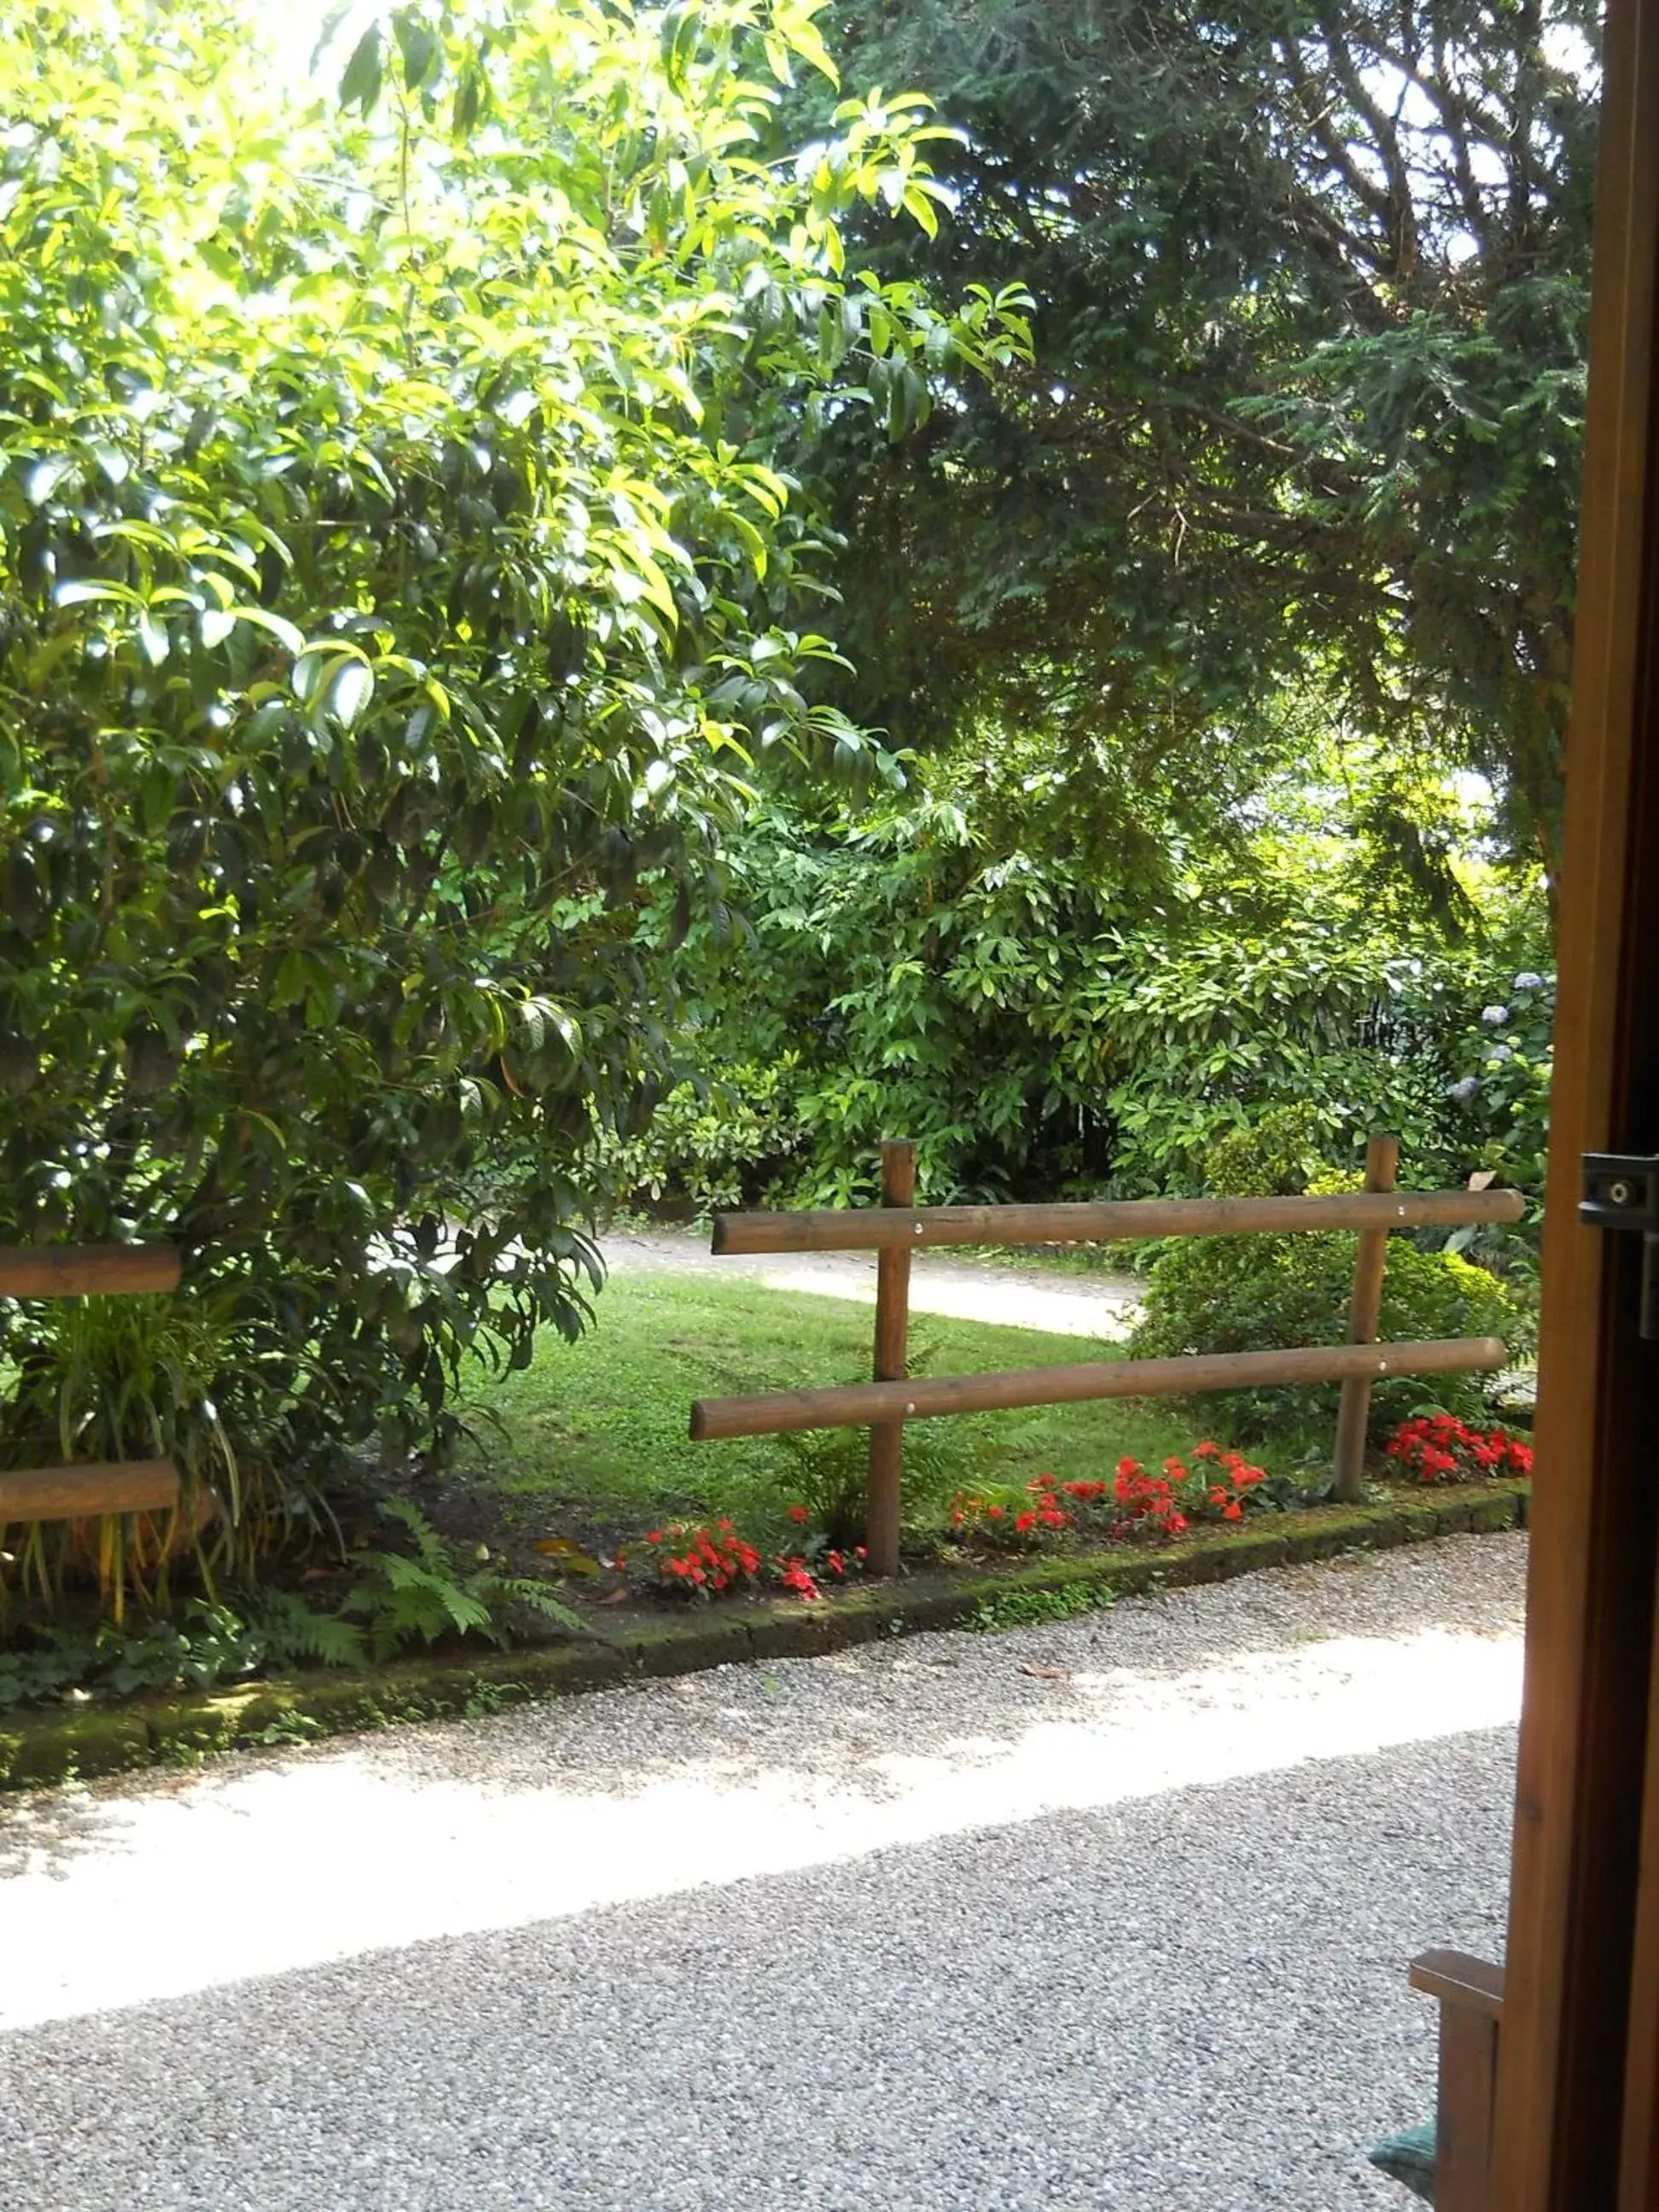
<point x="295" y="1634"/>
<point x="1280" y="1155"/>
<point x="1262" y="1293"/>
<point x="1214" y="1031"/>
<point x="206" y="1645"/>
<point x="127" y="1378"/>
<point x="397" y="599"/>
<point x="402" y="1597"/>
<point x="1306" y="404"/>
<point x="827" y="1470"/>
<point x="1033" y="1608"/>
<point x="1046" y="1012"/>
<point x="718" y="1133"/>
<point x="1506" y="1059"/>
<point x="428" y="1591"/>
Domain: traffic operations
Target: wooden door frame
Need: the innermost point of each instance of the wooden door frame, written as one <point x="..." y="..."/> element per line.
<point x="1562" y="2105"/>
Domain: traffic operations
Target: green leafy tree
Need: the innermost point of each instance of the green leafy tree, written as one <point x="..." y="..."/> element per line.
<point x="398" y="599"/>
<point x="1306" y="407"/>
<point x="1001" y="964"/>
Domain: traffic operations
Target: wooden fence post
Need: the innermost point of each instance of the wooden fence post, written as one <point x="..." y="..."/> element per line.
<point x="1364" y="1314"/>
<point x="881" y="1525"/>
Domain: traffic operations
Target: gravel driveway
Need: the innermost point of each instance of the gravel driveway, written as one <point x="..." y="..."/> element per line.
<point x="1093" y="1305"/>
<point x="1111" y="1912"/>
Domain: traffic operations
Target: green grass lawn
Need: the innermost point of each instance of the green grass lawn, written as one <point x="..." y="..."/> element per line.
<point x="597" y="1431"/>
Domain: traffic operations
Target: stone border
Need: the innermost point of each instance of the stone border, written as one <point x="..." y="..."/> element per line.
<point x="39" y="1749"/>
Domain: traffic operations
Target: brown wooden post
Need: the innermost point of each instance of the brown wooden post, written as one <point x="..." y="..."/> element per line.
<point x="881" y="1524"/>
<point x="1365" y="1314"/>
<point x="1471" y="1995"/>
<point x="1579" y="2062"/>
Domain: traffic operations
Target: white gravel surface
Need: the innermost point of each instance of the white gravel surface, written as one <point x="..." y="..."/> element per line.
<point x="1093" y="1305"/>
<point x="1110" y="1913"/>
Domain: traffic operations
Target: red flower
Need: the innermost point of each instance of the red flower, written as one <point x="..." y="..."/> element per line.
<point x="1024" y="1521"/>
<point x="798" y="1513"/>
<point x="1207" y="1450"/>
<point x="1232" y="1511"/>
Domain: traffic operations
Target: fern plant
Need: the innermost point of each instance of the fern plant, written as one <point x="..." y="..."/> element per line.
<point x="828" y="1471"/>
<point x="295" y="1634"/>
<point x="206" y="1644"/>
<point x="418" y="1594"/>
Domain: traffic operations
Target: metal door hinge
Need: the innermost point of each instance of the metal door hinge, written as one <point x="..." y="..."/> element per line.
<point x="1621" y="1191"/>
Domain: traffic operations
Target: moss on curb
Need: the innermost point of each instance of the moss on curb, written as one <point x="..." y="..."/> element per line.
<point x="44" y="1748"/>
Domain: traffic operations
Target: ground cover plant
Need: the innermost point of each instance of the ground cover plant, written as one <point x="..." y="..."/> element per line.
<point x="588" y="1448"/>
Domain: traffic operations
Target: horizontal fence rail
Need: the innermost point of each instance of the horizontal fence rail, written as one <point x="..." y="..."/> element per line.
<point x="94" y="1488"/>
<point x="78" y="1271"/>
<point x="84" y="1492"/>
<point x="852" y="1405"/>
<point x="896" y="1229"/>
<point x="879" y="1227"/>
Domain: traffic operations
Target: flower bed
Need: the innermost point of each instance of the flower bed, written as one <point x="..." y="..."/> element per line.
<point x="1439" y="1448"/>
<point x="704" y="1559"/>
<point x="690" y="1559"/>
<point x="1136" y="1506"/>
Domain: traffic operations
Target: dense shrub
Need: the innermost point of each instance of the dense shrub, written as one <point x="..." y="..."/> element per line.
<point x="1262" y="1294"/>
<point x="1047" y="1014"/>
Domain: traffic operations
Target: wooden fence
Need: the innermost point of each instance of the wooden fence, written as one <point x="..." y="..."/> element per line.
<point x="86" y="1491"/>
<point x="896" y="1228"/>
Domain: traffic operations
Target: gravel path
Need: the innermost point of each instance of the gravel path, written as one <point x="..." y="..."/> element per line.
<point x="961" y="1290"/>
<point x="1109" y="1912"/>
